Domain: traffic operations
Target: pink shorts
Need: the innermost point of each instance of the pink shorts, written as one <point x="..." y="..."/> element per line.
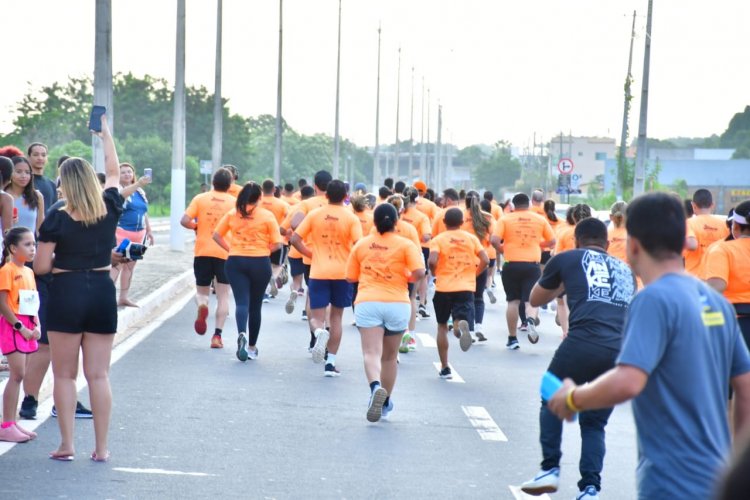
<point x="12" y="341"/>
<point x="133" y="236"/>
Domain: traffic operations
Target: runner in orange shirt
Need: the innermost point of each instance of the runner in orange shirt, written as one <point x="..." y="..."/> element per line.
<point x="279" y="208"/>
<point x="202" y="216"/>
<point x="520" y="237"/>
<point x="617" y="234"/>
<point x="537" y="202"/>
<point x="288" y="195"/>
<point x="255" y="234"/>
<point x="727" y="269"/>
<point x="363" y="213"/>
<point x="482" y="225"/>
<point x="456" y="259"/>
<point x="423" y="225"/>
<point x="495" y="209"/>
<point x="383" y="264"/>
<point x="424" y="204"/>
<point x="331" y="231"/>
<point x="296" y="266"/>
<point x="487" y="206"/>
<point x="450" y="199"/>
<point x="234" y="188"/>
<point x="707" y="229"/>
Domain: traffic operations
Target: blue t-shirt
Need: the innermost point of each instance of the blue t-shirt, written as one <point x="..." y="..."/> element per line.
<point x="134" y="212"/>
<point x="685" y="336"/>
<point x="599" y="288"/>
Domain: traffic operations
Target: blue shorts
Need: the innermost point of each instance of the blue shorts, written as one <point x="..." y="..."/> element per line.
<point x="296" y="267"/>
<point x="323" y="293"/>
<point x="393" y="317"/>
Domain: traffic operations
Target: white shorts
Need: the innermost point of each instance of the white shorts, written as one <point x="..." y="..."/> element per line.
<point x="391" y="316"/>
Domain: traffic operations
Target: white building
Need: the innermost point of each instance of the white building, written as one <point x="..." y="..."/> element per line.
<point x="589" y="155"/>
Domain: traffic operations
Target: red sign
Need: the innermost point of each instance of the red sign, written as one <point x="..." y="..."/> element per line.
<point x="565" y="166"/>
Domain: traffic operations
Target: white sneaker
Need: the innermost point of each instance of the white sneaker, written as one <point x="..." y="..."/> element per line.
<point x="289" y="308"/>
<point x="532" y="334"/>
<point x="252" y="353"/>
<point x="588" y="493"/>
<point x="375" y="408"/>
<point x="321" y="344"/>
<point x="465" y="339"/>
<point x="491" y="295"/>
<point x="546" y="481"/>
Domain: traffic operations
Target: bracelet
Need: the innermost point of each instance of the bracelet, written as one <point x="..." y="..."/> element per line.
<point x="569" y="402"/>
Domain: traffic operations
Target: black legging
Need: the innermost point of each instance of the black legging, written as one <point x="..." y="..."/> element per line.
<point x="479" y="299"/>
<point x="248" y="277"/>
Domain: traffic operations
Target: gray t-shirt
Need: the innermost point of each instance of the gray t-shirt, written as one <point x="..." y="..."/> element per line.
<point x="685" y="336"/>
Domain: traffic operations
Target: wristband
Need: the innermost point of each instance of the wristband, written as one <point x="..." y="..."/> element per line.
<point x="569" y="402"/>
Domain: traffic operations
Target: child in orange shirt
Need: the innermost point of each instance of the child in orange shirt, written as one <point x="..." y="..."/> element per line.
<point x="19" y="330"/>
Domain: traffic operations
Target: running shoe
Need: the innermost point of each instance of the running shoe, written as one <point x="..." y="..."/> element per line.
<point x="266" y="298"/>
<point x="321" y="343"/>
<point x="81" y="411"/>
<point x="216" y="342"/>
<point x="524" y="327"/>
<point x="331" y="371"/>
<point x="588" y="493"/>
<point x="536" y="321"/>
<point x="464" y="339"/>
<point x="491" y="295"/>
<point x="304" y="314"/>
<point x="481" y="337"/>
<point x="446" y="373"/>
<point x="289" y="308"/>
<point x="252" y="354"/>
<point x="301" y="291"/>
<point x="241" y="347"/>
<point x="387" y="409"/>
<point x="546" y="481"/>
<point x="28" y="407"/>
<point x="200" y="321"/>
<point x="274" y="289"/>
<point x="404" y="347"/>
<point x="532" y="335"/>
<point x="423" y="311"/>
<point x="375" y="408"/>
<point x="412" y="343"/>
<point x="513" y="344"/>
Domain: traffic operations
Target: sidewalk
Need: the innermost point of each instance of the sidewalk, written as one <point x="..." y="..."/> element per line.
<point x="159" y="278"/>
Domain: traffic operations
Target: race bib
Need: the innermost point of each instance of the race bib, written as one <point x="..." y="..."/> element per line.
<point x="28" y="302"/>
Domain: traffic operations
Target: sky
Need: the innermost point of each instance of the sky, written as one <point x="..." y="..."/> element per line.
<point x="499" y="69"/>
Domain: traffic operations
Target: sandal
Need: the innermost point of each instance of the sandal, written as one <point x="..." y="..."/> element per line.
<point x="62" y="457"/>
<point x="97" y="458"/>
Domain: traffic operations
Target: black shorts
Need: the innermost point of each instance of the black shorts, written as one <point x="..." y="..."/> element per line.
<point x="546" y="256"/>
<point x="519" y="278"/>
<point x="42" y="286"/>
<point x="277" y="257"/>
<point x="296" y="267"/>
<point x="82" y="301"/>
<point x="206" y="269"/>
<point x="460" y="305"/>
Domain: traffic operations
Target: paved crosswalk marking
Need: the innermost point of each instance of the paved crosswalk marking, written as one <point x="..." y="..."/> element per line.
<point x="483" y="423"/>
<point x="427" y="340"/>
<point x="457" y="379"/>
<point x="520" y="495"/>
<point x="161" y="471"/>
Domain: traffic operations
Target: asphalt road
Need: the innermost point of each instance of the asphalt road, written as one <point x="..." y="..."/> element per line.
<point x="191" y="422"/>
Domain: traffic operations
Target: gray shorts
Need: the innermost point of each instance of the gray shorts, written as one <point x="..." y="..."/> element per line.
<point x="393" y="317"/>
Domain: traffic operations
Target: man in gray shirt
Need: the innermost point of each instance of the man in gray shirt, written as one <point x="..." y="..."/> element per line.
<point x="681" y="349"/>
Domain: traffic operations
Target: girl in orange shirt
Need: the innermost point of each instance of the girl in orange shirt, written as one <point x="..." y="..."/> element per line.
<point x="617" y="234"/>
<point x="482" y="225"/>
<point x="255" y="234"/>
<point x="19" y="330"/>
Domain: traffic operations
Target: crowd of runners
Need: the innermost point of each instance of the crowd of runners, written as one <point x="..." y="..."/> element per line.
<point x="653" y="304"/>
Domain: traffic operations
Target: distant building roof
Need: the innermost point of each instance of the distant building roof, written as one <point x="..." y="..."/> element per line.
<point x="690" y="154"/>
<point x="729" y="173"/>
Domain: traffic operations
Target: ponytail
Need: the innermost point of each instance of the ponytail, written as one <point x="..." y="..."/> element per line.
<point x="249" y="195"/>
<point x="549" y="210"/>
<point x="478" y="221"/>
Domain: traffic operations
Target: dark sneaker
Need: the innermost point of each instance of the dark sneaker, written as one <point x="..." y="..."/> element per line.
<point x="375" y="408"/>
<point x="481" y="337"/>
<point x="446" y="373"/>
<point x="82" y="411"/>
<point x="28" y="407"/>
<point x="524" y="327"/>
<point x="513" y="344"/>
<point x="304" y="314"/>
<point x="332" y="371"/>
<point x="241" y="347"/>
<point x="423" y="312"/>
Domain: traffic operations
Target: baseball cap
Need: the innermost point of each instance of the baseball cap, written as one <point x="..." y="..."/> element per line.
<point x="420" y="186"/>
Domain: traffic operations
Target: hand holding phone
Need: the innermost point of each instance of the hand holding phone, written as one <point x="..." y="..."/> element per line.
<point x="95" y="120"/>
<point x="148" y="172"/>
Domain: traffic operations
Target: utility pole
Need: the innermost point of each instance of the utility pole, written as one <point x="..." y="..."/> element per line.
<point x="439" y="150"/>
<point x="642" y="153"/>
<point x="621" y="160"/>
<point x="279" y="131"/>
<point x="422" y="146"/>
<point x="103" y="74"/>
<point x="396" y="161"/>
<point x="177" y="198"/>
<point x="336" y="139"/>
<point x="411" y="129"/>
<point x="218" y="108"/>
<point x="429" y="169"/>
<point x="376" y="178"/>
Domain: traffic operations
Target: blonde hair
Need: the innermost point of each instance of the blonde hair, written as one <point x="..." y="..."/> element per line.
<point x="397" y="201"/>
<point x="359" y="203"/>
<point x="83" y="193"/>
<point x="617" y="213"/>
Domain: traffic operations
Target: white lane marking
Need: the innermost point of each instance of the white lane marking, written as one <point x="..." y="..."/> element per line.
<point x="456" y="377"/>
<point x="483" y="423"/>
<point x="520" y="495"/>
<point x="161" y="471"/>
<point x="427" y="340"/>
<point x="45" y="407"/>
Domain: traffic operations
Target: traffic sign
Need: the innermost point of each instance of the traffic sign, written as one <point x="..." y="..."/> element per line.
<point x="206" y="166"/>
<point x="565" y="166"/>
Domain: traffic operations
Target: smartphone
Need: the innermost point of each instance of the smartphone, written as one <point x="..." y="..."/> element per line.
<point x="148" y="172"/>
<point x="549" y="386"/>
<point x="95" y="121"/>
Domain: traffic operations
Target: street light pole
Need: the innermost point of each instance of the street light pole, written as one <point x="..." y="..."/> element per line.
<point x="411" y="128"/>
<point x="103" y="74"/>
<point x="396" y="162"/>
<point x="621" y="160"/>
<point x="177" y="198"/>
<point x="218" y="108"/>
<point x="376" y="180"/>
<point x="279" y="131"/>
<point x="336" y="139"/>
<point x="640" y="164"/>
<point x="422" y="146"/>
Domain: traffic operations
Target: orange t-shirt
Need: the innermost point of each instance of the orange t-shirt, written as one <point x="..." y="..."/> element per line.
<point x="438" y="223"/>
<point x="234" y="190"/>
<point x="278" y="207"/>
<point x="566" y="237"/>
<point x="538" y="210"/>
<point x="521" y="232"/>
<point x="291" y="200"/>
<point x="382" y="265"/>
<point x="456" y="269"/>
<point x="468" y="226"/>
<point x="13" y="279"/>
<point x="728" y="260"/>
<point x="421" y="223"/>
<point x="306" y="206"/>
<point x="707" y="229"/>
<point x="617" y="237"/>
<point x="403" y="229"/>
<point x="209" y="208"/>
<point x="251" y="236"/>
<point x="497" y="211"/>
<point x="427" y="207"/>
<point x="366" y="219"/>
<point x="332" y="231"/>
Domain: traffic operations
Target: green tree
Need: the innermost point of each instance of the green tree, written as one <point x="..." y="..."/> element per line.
<point x="500" y="170"/>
